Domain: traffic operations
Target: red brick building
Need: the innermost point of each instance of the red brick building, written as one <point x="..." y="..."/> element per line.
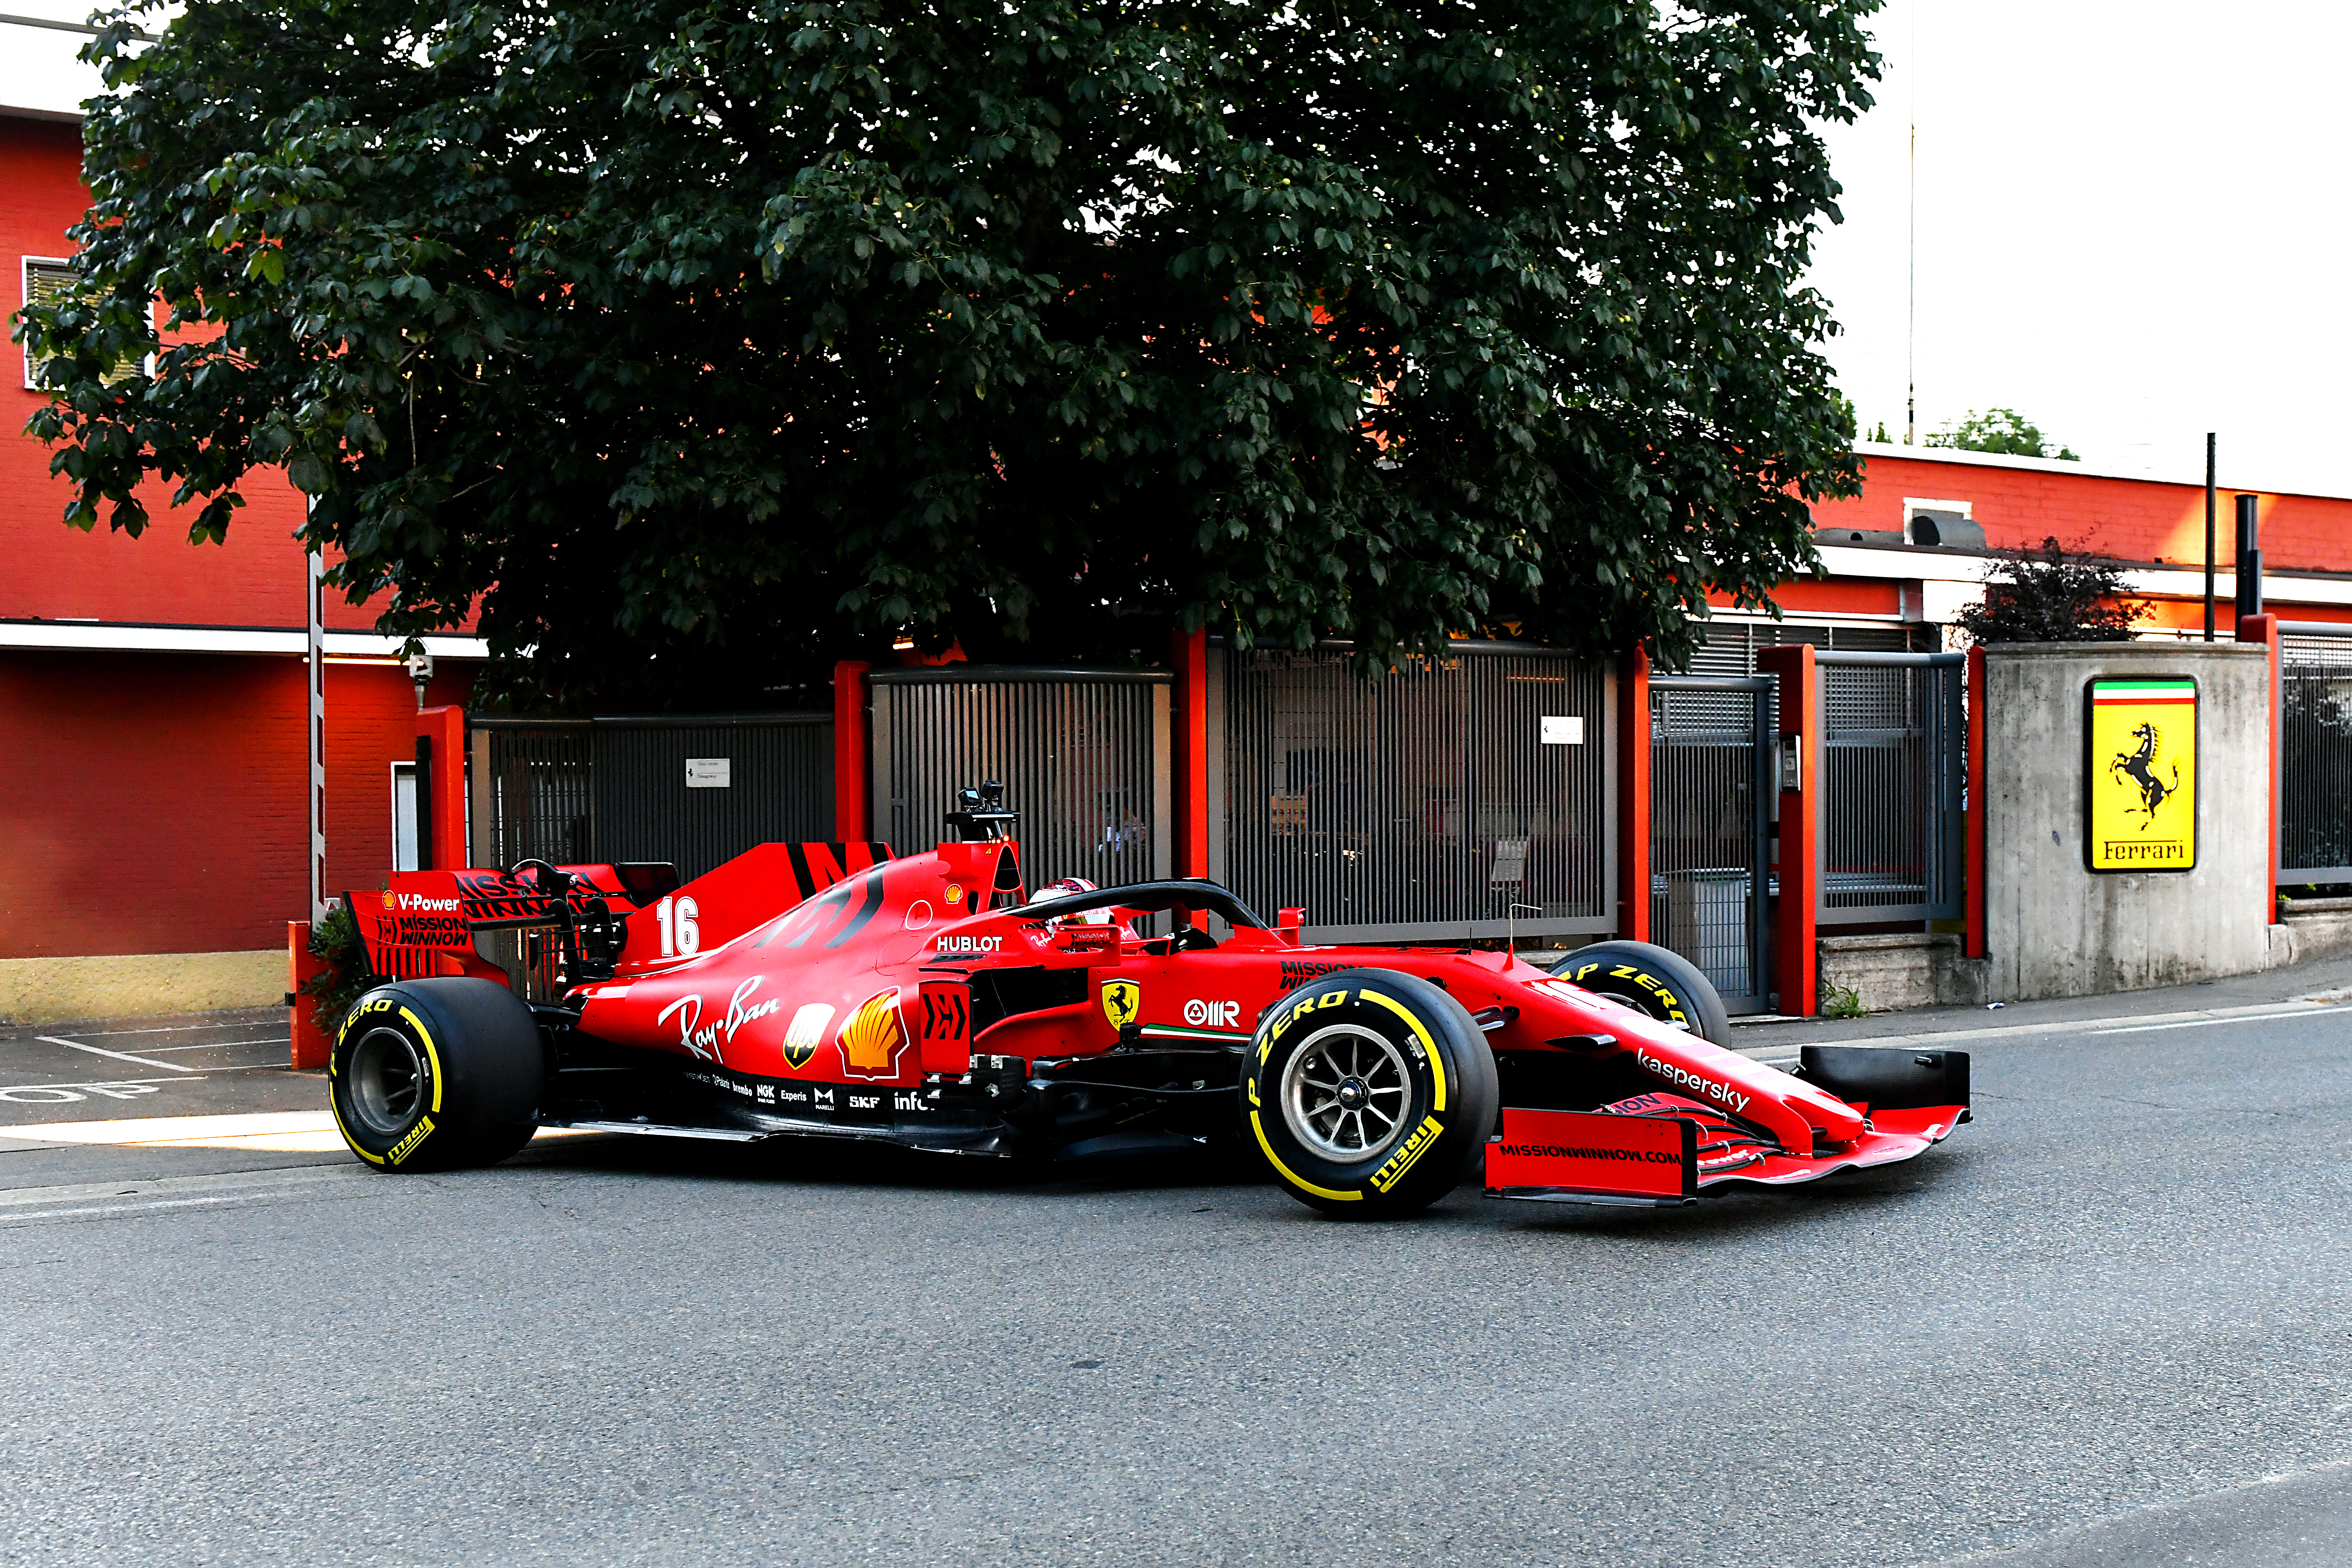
<point x="153" y="805"/>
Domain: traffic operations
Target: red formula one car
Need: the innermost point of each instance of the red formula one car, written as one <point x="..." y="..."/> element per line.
<point x="930" y="1000"/>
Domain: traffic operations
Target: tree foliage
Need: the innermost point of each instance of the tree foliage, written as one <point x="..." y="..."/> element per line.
<point x="2051" y="595"/>
<point x="732" y="333"/>
<point x="2002" y="430"/>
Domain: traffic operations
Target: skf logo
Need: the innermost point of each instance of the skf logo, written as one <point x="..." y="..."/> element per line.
<point x="805" y="1033"/>
<point x="1212" y="1015"/>
<point x="1122" y="1001"/>
<point x="872" y="1039"/>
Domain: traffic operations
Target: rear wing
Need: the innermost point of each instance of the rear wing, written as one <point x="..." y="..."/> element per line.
<point x="426" y="923"/>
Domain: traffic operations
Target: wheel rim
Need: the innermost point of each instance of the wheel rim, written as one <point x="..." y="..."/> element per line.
<point x="387" y="1080"/>
<point x="1345" y="1091"/>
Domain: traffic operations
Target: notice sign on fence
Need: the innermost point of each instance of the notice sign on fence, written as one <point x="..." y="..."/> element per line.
<point x="2140" y="776"/>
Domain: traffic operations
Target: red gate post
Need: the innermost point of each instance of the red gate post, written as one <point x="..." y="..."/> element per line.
<point x="1633" y="797"/>
<point x="1189" y="727"/>
<point x="1976" y="862"/>
<point x="308" y="1052"/>
<point x="853" y="754"/>
<point x="2264" y="629"/>
<point x="441" y="788"/>
<point x="1796" y="932"/>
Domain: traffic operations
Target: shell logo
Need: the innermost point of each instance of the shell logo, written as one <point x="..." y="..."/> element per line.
<point x="872" y="1038"/>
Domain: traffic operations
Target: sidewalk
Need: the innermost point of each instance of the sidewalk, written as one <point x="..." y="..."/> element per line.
<point x="2302" y="987"/>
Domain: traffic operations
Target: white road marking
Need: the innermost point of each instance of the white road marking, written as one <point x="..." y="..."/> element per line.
<point x="1930" y="1040"/>
<point x="103" y="1200"/>
<point x="172" y="1028"/>
<point x="219" y="1045"/>
<point x="67" y="1093"/>
<point x="118" y="1055"/>
<point x="2202" y="1023"/>
<point x="269" y="1131"/>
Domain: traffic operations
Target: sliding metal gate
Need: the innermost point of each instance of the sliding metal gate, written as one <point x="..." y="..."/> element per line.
<point x="1082" y="754"/>
<point x="649" y="788"/>
<point x="1711" y="801"/>
<point x="1894" y="750"/>
<point x="1467" y="796"/>
<point x="2315" y="729"/>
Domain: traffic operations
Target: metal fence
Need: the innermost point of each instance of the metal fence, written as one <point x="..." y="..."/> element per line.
<point x="1422" y="804"/>
<point x="1894" y="750"/>
<point x="1083" y="755"/>
<point x="2315" y="729"/>
<point x="693" y="790"/>
<point x="1711" y="800"/>
<point x="658" y="795"/>
<point x="534" y="791"/>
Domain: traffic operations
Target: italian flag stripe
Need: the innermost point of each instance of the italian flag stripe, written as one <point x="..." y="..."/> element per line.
<point x="2144" y="692"/>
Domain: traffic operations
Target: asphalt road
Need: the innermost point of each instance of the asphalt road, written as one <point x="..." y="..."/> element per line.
<point x="2110" y="1322"/>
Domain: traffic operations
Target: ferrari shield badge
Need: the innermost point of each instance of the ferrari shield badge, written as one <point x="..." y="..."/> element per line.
<point x="1122" y="1001"/>
<point x="2142" y="775"/>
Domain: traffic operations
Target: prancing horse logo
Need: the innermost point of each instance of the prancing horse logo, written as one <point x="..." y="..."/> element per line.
<point x="2139" y="767"/>
<point x="1122" y="1000"/>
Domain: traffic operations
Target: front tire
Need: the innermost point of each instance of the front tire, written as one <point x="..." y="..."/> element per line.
<point x="1368" y="1092"/>
<point x="437" y="1075"/>
<point x="1650" y="979"/>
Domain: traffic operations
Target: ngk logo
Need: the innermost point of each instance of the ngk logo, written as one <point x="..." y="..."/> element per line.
<point x="1212" y="1015"/>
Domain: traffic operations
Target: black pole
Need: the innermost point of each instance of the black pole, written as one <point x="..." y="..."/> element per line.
<point x="2250" y="560"/>
<point x="2209" y="535"/>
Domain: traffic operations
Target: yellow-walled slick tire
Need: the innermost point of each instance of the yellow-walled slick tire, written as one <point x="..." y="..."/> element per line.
<point x="437" y="1075"/>
<point x="1650" y="979"/>
<point x="1368" y="1092"/>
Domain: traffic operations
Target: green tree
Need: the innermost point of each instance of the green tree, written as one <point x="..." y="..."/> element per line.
<point x="2051" y="595"/>
<point x="2002" y="430"/>
<point x="695" y="342"/>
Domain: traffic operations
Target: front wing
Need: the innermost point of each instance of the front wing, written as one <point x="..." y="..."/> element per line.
<point x="1667" y="1161"/>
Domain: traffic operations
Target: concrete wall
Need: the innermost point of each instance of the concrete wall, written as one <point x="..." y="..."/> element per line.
<point x="47" y="990"/>
<point x="1901" y="969"/>
<point x="2054" y="928"/>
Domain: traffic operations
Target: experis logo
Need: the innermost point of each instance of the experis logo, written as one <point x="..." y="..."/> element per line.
<point x="1722" y="1094"/>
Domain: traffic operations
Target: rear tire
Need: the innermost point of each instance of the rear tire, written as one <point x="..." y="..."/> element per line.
<point x="1368" y="1092"/>
<point x="437" y="1075"/>
<point x="1650" y="979"/>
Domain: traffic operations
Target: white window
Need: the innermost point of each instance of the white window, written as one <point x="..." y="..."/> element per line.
<point x="403" y="816"/>
<point x="49" y="278"/>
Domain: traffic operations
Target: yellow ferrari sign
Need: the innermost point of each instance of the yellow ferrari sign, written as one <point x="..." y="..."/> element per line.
<point x="2140" y="776"/>
<point x="1122" y="1000"/>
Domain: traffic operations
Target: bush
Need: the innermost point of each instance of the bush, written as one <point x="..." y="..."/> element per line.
<point x="345" y="979"/>
<point x="2051" y="595"/>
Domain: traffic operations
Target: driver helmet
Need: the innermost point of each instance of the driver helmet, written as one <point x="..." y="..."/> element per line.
<point x="1070" y="887"/>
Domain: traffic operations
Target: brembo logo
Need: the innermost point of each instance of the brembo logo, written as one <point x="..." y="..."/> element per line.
<point x="1721" y="1094"/>
<point x="416" y="901"/>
